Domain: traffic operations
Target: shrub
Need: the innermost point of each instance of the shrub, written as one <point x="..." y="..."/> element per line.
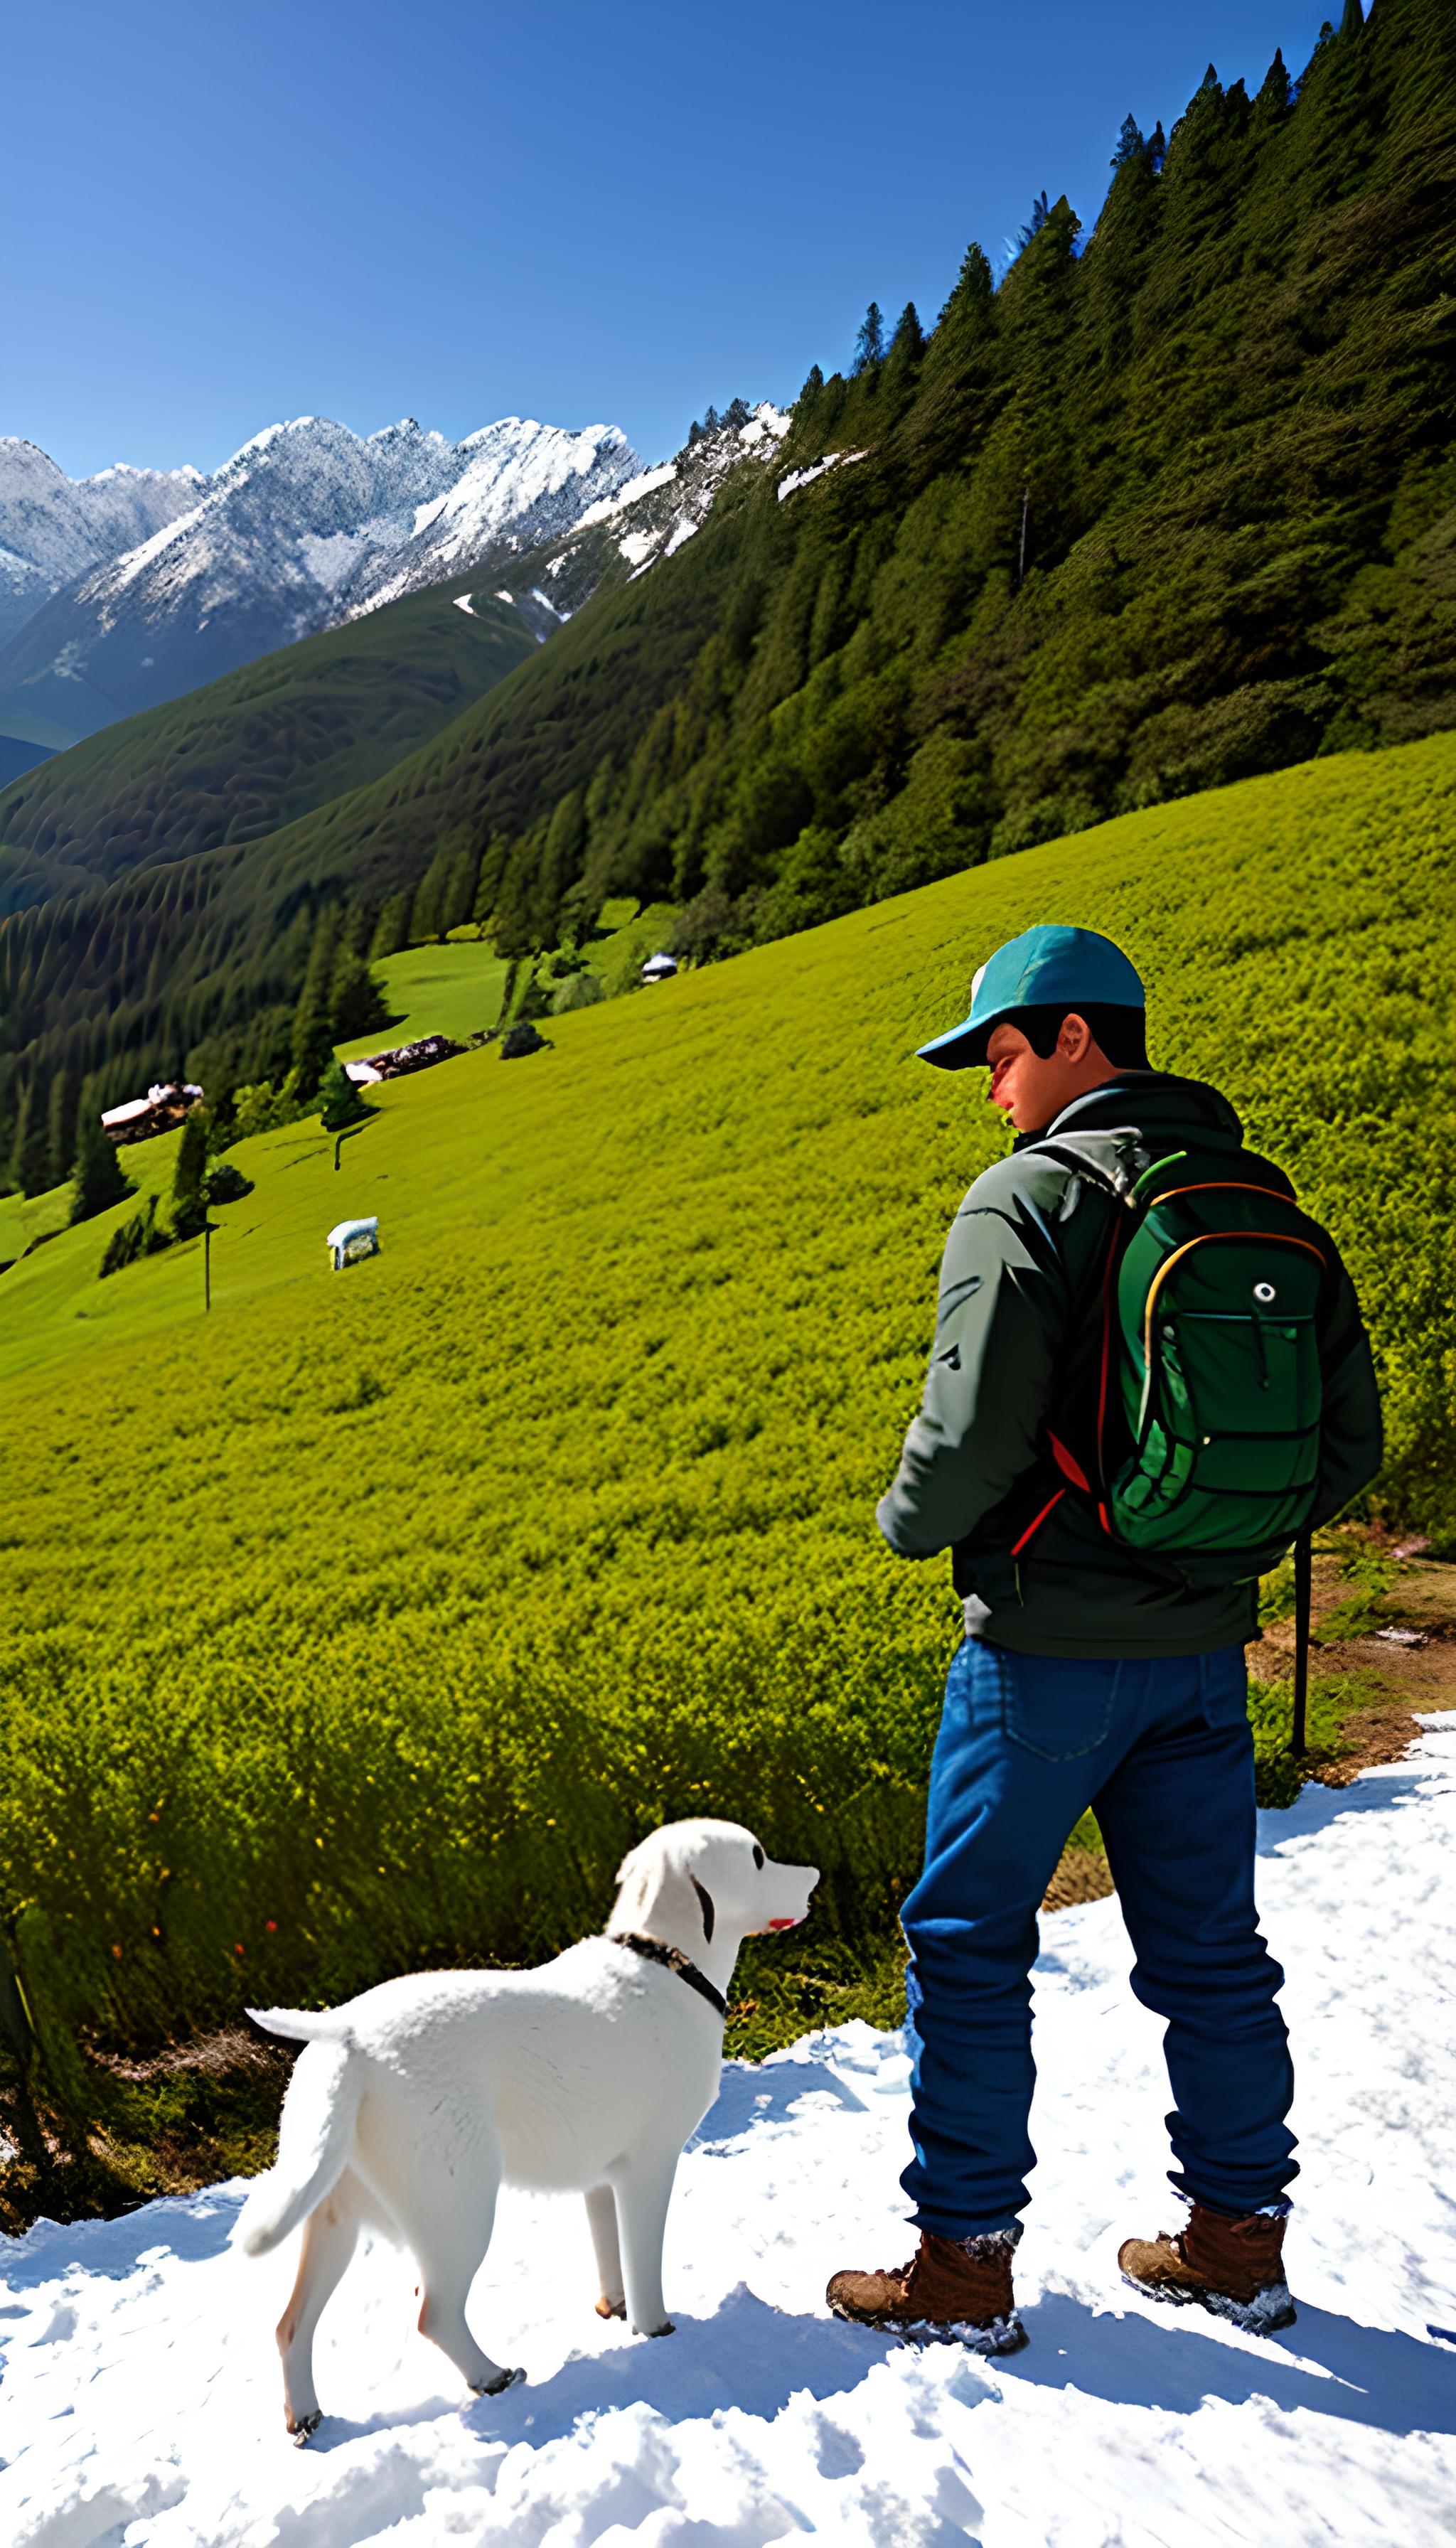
<point x="521" y="1039"/>
<point x="142" y="1235"/>
<point x="262" y="1108"/>
<point x="225" y="1183"/>
<point x="578" y="991"/>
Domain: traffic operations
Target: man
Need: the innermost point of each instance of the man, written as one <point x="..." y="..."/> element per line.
<point x="1093" y="1674"/>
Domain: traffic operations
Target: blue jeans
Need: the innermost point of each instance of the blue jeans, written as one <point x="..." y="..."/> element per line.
<point x="1161" y="1750"/>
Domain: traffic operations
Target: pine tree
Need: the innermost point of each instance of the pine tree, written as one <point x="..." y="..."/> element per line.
<point x="391" y="930"/>
<point x="340" y="1102"/>
<point x="457" y="892"/>
<point x="30" y="1165"/>
<point x="312" y="1041"/>
<point x="356" y="1001"/>
<point x="560" y="865"/>
<point x="1027" y="232"/>
<point x="100" y="1181"/>
<point x="439" y="901"/>
<point x="189" y="1204"/>
<point x="870" y="343"/>
<point x="695" y="433"/>
<point x="1272" y="100"/>
<point x="902" y="363"/>
<point x="737" y="414"/>
<point x="909" y="336"/>
<point x="711" y="421"/>
<point x="61" y="1129"/>
<point x="970" y="303"/>
<point x="1353" y="21"/>
<point x="493" y="860"/>
<point x="1157" y="149"/>
<point x="811" y="392"/>
<point x="1131" y="144"/>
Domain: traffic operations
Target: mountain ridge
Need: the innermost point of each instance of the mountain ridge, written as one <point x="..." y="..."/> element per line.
<point x="308" y="524"/>
<point x="55" y="528"/>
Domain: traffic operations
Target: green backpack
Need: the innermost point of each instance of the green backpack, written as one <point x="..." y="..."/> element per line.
<point x="1209" y="1387"/>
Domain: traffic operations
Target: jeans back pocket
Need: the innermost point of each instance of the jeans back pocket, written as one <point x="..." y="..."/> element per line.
<point x="1058" y="1707"/>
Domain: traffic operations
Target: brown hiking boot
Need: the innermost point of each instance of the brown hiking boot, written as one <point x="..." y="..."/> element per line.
<point x="1232" y="2266"/>
<point x="956" y="2291"/>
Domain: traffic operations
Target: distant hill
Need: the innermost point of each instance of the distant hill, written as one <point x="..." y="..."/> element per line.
<point x="253" y="752"/>
<point x="1166" y="509"/>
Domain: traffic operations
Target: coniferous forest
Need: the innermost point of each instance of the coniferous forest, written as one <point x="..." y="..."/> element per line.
<point x="1169" y="506"/>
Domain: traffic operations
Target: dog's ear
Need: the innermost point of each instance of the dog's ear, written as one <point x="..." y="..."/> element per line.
<point x="705" y="1906"/>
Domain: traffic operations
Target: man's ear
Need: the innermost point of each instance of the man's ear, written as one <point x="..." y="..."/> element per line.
<point x="1075" y="1039"/>
<point x="705" y="1906"/>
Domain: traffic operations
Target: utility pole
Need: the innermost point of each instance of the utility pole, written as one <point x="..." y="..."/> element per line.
<point x="207" y="1264"/>
<point x="1021" y="562"/>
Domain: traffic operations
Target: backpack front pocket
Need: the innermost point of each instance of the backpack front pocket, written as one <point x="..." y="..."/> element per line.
<point x="1226" y="1432"/>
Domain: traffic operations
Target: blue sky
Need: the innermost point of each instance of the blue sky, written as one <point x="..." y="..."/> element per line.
<point x="217" y="217"/>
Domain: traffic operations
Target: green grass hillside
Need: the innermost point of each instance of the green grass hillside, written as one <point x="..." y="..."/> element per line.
<point x="365" y="1621"/>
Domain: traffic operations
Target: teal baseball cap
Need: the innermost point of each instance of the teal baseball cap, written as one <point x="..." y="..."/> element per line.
<point x="1047" y="967"/>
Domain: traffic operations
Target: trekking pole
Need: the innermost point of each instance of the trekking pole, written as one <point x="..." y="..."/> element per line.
<point x="1302" y="1573"/>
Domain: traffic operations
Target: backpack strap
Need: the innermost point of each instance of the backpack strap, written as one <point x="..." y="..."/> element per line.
<point x="1122" y="1183"/>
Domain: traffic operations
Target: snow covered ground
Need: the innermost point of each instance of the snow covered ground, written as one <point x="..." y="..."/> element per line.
<point x="140" y="2394"/>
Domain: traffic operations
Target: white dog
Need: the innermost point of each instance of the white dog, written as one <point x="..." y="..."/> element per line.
<point x="412" y="2105"/>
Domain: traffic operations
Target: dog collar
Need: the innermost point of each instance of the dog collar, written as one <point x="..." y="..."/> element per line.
<point x="657" y="1951"/>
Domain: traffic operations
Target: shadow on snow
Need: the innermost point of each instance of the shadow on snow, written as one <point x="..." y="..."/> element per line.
<point x="756" y="2358"/>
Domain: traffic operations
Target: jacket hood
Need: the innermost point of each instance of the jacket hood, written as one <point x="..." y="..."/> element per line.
<point x="1147" y="1101"/>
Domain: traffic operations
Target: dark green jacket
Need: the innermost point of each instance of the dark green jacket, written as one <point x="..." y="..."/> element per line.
<point x="1017" y="1342"/>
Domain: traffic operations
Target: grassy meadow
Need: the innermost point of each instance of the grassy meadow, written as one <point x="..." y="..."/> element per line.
<point x="366" y="1621"/>
<point x="452" y="990"/>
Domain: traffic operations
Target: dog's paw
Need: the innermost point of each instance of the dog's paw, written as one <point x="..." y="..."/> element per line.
<point x="502" y="2380"/>
<point x="610" y="2309"/>
<point x="300" y="2426"/>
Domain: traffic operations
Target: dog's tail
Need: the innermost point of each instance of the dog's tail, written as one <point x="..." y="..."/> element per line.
<point x="315" y="2132"/>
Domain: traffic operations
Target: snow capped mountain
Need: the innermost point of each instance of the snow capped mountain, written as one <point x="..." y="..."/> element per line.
<point x="646" y="517"/>
<point x="525" y="484"/>
<point x="54" y="527"/>
<point x="132" y="586"/>
<point x="308" y="525"/>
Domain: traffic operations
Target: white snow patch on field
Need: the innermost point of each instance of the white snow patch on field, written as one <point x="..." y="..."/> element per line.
<point x="140" y="2397"/>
